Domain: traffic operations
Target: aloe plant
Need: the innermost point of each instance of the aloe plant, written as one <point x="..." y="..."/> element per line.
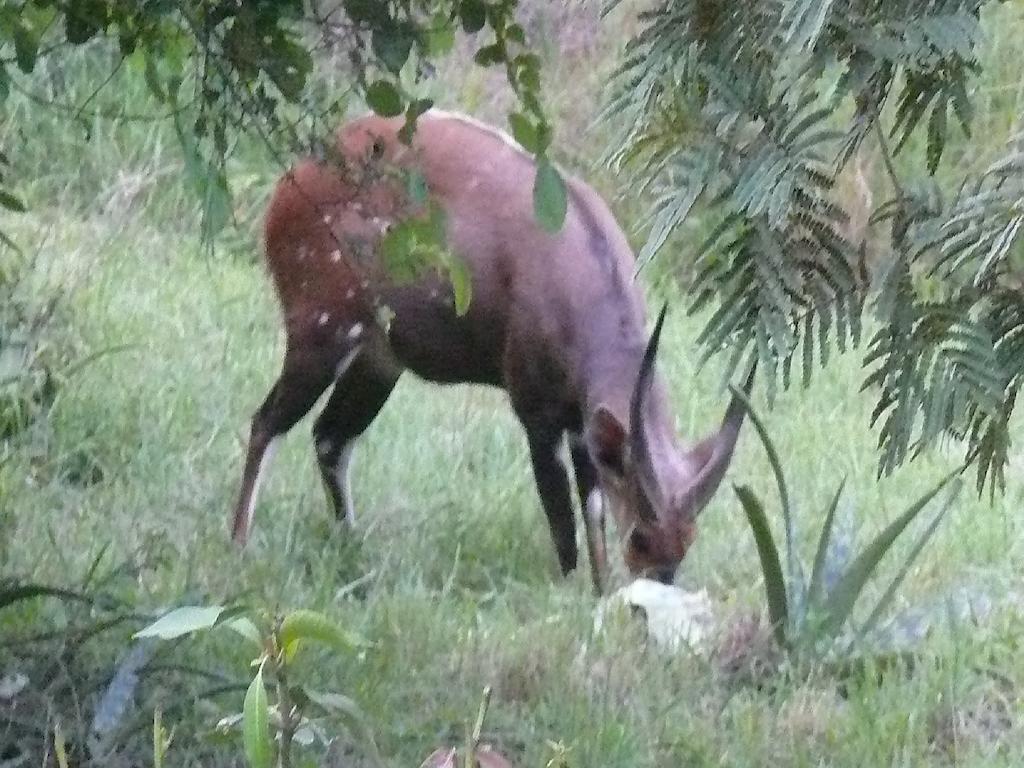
<point x="810" y="614"/>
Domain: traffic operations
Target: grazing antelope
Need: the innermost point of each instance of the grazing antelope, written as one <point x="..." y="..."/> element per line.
<point x="555" y="319"/>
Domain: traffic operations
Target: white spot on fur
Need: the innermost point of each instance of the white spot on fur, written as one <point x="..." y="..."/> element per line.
<point x="341" y="474"/>
<point x="327" y="218"/>
<point x="301" y="256"/>
<point x="323" y="319"/>
<point x="346" y="361"/>
<point x="335" y="255"/>
<point x="595" y="506"/>
<point x="355" y="331"/>
<point x="350" y="293"/>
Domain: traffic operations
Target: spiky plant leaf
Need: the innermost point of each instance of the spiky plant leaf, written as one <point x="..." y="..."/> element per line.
<point x="771" y="569"/>
<point x="841" y="600"/>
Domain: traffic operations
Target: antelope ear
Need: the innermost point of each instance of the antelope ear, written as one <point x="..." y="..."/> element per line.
<point x="606" y="440"/>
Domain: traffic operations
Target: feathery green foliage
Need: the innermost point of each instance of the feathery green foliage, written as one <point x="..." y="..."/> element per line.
<point x="750" y="111"/>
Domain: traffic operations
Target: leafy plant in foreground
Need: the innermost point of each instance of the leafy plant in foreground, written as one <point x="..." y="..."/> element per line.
<point x="809" y="615"/>
<point x="274" y="701"/>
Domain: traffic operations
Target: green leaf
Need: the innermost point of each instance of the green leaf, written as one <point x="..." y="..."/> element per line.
<point x="776" y="465"/>
<point x="489" y="55"/>
<point x="850" y="585"/>
<point x="384" y="99"/>
<point x="814" y="586"/>
<point x="5" y="84"/>
<point x="10" y="202"/>
<point x="392" y="45"/>
<point x="890" y="593"/>
<point x="314" y="626"/>
<point x="26" y="47"/>
<point x="82" y="24"/>
<point x="473" y="14"/>
<point x="771" y="569"/>
<point x="373" y="13"/>
<point x="182" y="621"/>
<point x="524" y="131"/>
<point x="550" y="201"/>
<point x="459" y="274"/>
<point x="256" y="724"/>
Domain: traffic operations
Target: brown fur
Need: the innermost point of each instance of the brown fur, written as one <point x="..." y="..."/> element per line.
<point x="555" y="319"/>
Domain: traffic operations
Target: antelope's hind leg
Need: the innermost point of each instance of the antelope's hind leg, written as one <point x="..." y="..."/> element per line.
<point x="592" y="507"/>
<point x="304" y="377"/>
<point x="361" y="390"/>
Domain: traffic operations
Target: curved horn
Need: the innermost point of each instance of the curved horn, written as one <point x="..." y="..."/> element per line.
<point x="714" y="453"/>
<point x="638" y="446"/>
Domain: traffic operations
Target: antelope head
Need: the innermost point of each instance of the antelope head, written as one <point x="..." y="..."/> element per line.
<point x="654" y="488"/>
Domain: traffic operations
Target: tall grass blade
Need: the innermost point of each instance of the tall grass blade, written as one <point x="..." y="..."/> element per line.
<point x="771" y="569"/>
<point x="849" y="587"/>
<point x="887" y="597"/>
<point x="814" y="586"/>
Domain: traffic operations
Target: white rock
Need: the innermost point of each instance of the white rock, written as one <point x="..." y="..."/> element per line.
<point x="673" y="615"/>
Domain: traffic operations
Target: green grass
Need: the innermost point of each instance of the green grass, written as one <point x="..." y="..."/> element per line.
<point x="457" y="579"/>
<point x="463" y="588"/>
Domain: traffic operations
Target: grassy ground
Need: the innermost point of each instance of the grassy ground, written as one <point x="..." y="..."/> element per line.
<point x="457" y="581"/>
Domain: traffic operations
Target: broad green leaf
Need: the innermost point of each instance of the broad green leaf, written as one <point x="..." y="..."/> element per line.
<point x="814" y="586"/>
<point x="256" y="724"/>
<point x="848" y="588"/>
<point x="81" y="23"/>
<point x="314" y="626"/>
<point x="489" y="55"/>
<point x="459" y="274"/>
<point x="373" y="13"/>
<point x="392" y="45"/>
<point x="890" y="593"/>
<point x="473" y="15"/>
<point x="182" y="621"/>
<point x="10" y="202"/>
<point x="383" y="98"/>
<point x="771" y="570"/>
<point x="550" y="201"/>
<point x="524" y="131"/>
<point x="26" y="46"/>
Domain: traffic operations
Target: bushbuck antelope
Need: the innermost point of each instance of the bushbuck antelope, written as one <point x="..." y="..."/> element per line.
<point x="555" y="319"/>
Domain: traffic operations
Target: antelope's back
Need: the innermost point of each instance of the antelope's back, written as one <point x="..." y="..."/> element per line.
<point x="326" y="220"/>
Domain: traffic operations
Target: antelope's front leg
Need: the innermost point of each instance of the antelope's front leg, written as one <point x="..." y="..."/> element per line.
<point x="555" y="495"/>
